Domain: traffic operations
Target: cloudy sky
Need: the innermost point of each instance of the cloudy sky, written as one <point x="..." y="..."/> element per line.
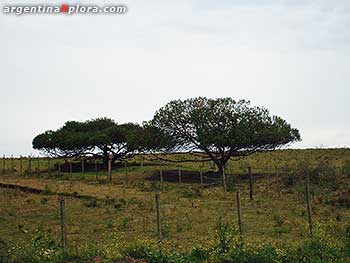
<point x="292" y="57"/>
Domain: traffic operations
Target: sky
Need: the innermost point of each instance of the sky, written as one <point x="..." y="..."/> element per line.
<point x="292" y="57"/>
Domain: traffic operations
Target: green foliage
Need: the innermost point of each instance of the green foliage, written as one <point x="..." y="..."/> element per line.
<point x="100" y="137"/>
<point x="191" y="192"/>
<point x="316" y="249"/>
<point x="153" y="254"/>
<point x="226" y="236"/>
<point x="278" y="219"/>
<point x="43" y="249"/>
<point x="220" y="128"/>
<point x="265" y="254"/>
<point x="346" y="242"/>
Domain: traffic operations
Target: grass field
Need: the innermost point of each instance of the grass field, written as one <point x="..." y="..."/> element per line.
<point x="114" y="215"/>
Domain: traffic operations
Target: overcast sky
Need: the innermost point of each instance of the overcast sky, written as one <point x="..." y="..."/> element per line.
<point x="292" y="57"/>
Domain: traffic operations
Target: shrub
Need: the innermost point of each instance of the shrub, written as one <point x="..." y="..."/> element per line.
<point x="226" y="236"/>
<point x="191" y="192"/>
<point x="266" y="254"/>
<point x="314" y="250"/>
<point x="346" y="242"/>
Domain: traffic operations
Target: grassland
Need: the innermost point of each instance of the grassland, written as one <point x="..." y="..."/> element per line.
<point x="115" y="214"/>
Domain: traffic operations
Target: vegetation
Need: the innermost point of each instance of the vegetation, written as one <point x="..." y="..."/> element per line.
<point x="220" y="129"/>
<point x="198" y="224"/>
<point x="98" y="138"/>
<point x="176" y="154"/>
<point x="213" y="129"/>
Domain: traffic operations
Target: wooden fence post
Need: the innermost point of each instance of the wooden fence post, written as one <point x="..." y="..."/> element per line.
<point x="308" y="202"/>
<point x="83" y="167"/>
<point x="159" y="226"/>
<point x="201" y="177"/>
<point x="161" y="175"/>
<point x="110" y="168"/>
<point x="70" y="167"/>
<point x="20" y="164"/>
<point x="96" y="170"/>
<point x="48" y="167"/>
<point x="224" y="178"/>
<point x="239" y="214"/>
<point x="58" y="167"/>
<point x="38" y="165"/>
<point x="30" y="165"/>
<point x="250" y="183"/>
<point x="4" y="164"/>
<point x="12" y="165"/>
<point x="126" y="181"/>
<point x="142" y="169"/>
<point x="180" y="179"/>
<point x="62" y="210"/>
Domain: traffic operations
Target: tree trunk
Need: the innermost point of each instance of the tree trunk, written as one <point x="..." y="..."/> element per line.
<point x="220" y="169"/>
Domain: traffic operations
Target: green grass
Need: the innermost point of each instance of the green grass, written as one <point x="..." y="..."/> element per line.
<point x="122" y="212"/>
<point x="274" y="161"/>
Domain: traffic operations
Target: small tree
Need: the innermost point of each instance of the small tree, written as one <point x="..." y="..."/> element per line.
<point x="217" y="129"/>
<point x="100" y="137"/>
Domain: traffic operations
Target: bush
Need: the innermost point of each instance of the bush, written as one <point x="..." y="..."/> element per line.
<point x="318" y="249"/>
<point x="346" y="242"/>
<point x="191" y="192"/>
<point x="226" y="236"/>
<point x="266" y="254"/>
<point x="314" y="250"/>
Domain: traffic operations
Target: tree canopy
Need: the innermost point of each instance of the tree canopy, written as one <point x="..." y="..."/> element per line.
<point x="100" y="137"/>
<point x="217" y="129"/>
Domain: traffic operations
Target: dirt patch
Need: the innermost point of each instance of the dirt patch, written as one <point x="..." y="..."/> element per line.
<point x="25" y="189"/>
<point x="31" y="190"/>
<point x="208" y="177"/>
<point x="91" y="167"/>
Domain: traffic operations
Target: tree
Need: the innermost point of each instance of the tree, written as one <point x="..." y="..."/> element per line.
<point x="218" y="129"/>
<point x="100" y="137"/>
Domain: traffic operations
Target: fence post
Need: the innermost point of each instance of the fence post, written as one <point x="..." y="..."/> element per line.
<point x="96" y="170"/>
<point x="159" y="226"/>
<point x="70" y="166"/>
<point x="83" y="167"/>
<point x="161" y="175"/>
<point x="224" y="178"/>
<point x="63" y="223"/>
<point x="58" y="167"/>
<point x="20" y="164"/>
<point x="143" y="170"/>
<point x="37" y="165"/>
<point x="180" y="179"/>
<point x="4" y="164"/>
<point x="126" y="181"/>
<point x="110" y="168"/>
<point x="48" y="166"/>
<point x="250" y="183"/>
<point x="30" y="165"/>
<point x="239" y="214"/>
<point x="12" y="165"/>
<point x="201" y="177"/>
<point x="308" y="201"/>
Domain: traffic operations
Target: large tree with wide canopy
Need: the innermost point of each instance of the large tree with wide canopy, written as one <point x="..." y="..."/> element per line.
<point x="217" y="129"/>
<point x="100" y="137"/>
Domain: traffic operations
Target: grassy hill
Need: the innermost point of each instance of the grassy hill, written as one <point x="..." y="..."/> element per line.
<point x="118" y="219"/>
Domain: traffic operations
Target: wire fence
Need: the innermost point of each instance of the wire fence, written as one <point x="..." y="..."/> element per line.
<point x="160" y="215"/>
